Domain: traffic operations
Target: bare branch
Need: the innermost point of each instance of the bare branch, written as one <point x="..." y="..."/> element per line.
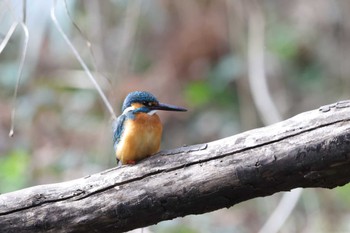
<point x="311" y="149"/>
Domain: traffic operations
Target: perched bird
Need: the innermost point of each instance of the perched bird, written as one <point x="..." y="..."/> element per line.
<point x="138" y="130"/>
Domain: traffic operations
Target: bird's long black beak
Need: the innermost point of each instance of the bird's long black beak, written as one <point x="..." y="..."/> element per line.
<point x="168" y="107"/>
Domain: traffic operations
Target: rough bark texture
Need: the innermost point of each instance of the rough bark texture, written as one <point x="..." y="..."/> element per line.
<point x="309" y="150"/>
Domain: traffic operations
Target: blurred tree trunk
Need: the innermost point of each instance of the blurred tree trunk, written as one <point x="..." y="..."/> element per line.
<point x="309" y="150"/>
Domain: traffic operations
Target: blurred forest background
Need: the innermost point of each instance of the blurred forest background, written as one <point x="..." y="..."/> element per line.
<point x="215" y="57"/>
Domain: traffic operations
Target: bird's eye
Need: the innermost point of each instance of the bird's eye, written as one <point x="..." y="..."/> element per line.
<point x="149" y="104"/>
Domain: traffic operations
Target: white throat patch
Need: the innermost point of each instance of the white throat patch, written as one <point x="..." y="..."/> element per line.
<point x="128" y="109"/>
<point x="152" y="112"/>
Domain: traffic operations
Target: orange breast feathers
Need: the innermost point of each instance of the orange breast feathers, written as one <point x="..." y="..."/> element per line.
<point x="141" y="138"/>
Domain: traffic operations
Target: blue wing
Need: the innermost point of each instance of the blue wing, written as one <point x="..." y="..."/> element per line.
<point x="118" y="127"/>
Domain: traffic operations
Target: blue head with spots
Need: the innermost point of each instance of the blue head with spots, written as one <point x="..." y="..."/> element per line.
<point x="142" y="97"/>
<point x="148" y="102"/>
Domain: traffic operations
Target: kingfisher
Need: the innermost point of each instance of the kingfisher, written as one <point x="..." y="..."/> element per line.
<point x="137" y="132"/>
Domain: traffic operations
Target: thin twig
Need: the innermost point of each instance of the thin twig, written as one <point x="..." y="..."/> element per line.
<point x="19" y="76"/>
<point x="82" y="63"/>
<point x="21" y="63"/>
<point x="8" y="36"/>
<point x="88" y="42"/>
<point x="24" y="11"/>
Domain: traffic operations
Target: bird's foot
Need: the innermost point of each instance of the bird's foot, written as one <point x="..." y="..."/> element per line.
<point x="131" y="162"/>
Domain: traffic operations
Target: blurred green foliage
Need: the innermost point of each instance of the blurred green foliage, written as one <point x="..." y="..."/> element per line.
<point x="217" y="88"/>
<point x="199" y="93"/>
<point x="177" y="229"/>
<point x="282" y="41"/>
<point x="14" y="170"/>
<point x="344" y="194"/>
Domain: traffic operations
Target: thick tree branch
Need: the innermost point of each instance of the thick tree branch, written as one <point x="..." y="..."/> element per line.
<point x="309" y="150"/>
